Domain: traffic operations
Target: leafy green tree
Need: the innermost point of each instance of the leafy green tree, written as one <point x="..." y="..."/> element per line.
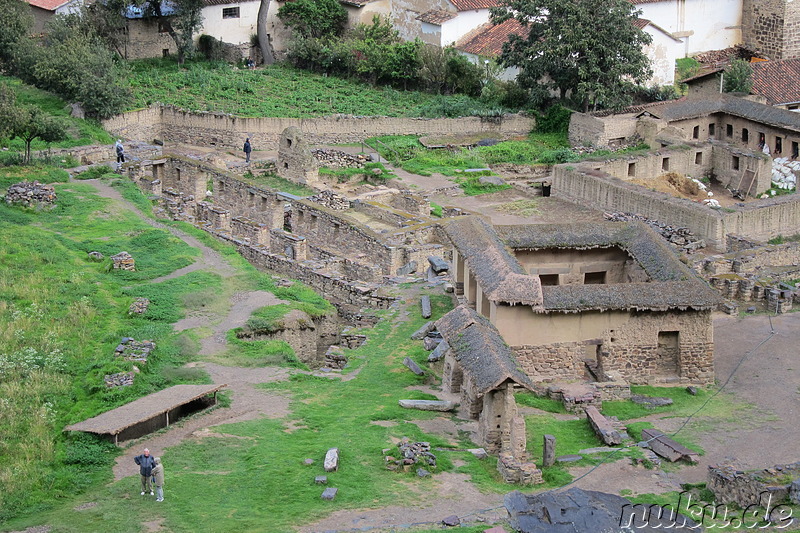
<point x="16" y="22"/>
<point x="314" y="18"/>
<point x="27" y="122"/>
<point x="738" y="77"/>
<point x="106" y="20"/>
<point x="589" y="48"/>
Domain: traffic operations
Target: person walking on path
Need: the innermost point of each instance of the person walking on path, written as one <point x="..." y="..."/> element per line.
<point x="146" y="464"/>
<point x="120" y="153"/>
<point x="247" y="149"/>
<point x="158" y="479"/>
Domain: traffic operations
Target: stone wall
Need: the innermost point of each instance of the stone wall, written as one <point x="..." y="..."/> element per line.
<point x="771" y="27"/>
<point x="229" y="131"/>
<point x="761" y="220"/>
<point x="588" y="130"/>
<point x="730" y="485"/>
<point x="631" y="351"/>
<point x="145" y="40"/>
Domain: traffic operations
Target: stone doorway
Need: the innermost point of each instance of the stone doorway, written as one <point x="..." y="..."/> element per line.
<point x="668" y="354"/>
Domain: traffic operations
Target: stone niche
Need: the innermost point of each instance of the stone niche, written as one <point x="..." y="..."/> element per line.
<point x="295" y="161"/>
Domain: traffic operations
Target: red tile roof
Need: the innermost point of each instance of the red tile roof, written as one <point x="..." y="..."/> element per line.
<point x="49" y="5"/>
<point x="487" y="40"/>
<point x="777" y="81"/>
<point x="641" y="23"/>
<point x="466" y="5"/>
<point x="437" y="16"/>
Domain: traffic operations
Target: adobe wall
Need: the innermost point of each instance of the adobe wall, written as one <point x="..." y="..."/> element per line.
<point x="627" y="342"/>
<point x="588" y="130"/>
<point x="229" y="131"/>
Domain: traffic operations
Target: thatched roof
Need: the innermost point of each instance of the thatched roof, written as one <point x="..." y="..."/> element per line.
<point x="117" y="420"/>
<point x="480" y="350"/>
<point x="499" y="274"/>
<point x="488" y="251"/>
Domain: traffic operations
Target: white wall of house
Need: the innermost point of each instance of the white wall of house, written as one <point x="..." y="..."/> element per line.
<point x="702" y="24"/>
<point x="234" y="29"/>
<point x="663" y="52"/>
<point x="465" y="22"/>
<point x="507" y="74"/>
<point x="431" y="34"/>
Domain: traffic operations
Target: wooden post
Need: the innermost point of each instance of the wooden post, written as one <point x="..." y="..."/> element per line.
<point x="167" y="415"/>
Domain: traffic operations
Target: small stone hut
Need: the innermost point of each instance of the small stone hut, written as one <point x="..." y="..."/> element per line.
<point x="295" y="161"/>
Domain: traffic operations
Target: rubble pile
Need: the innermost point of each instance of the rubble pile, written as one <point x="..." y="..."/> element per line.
<point x="681" y="238"/>
<point x="339" y="159"/>
<point x="30" y="194"/>
<point x="410" y="453"/>
<point x="139" y="306"/>
<point x="331" y="200"/>
<point x="122" y="379"/>
<point x="133" y="350"/>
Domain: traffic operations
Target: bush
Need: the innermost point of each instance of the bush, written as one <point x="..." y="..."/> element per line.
<point x="560" y="155"/>
<point x="554" y="120"/>
<point x="216" y="50"/>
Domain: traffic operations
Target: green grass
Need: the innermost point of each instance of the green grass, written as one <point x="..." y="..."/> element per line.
<point x="279" y="91"/>
<point x="684" y="404"/>
<point x="472" y="186"/>
<point x="543" y="403"/>
<point x="436" y="210"/>
<point x="80" y="132"/>
<point x="344" y="175"/>
<point x="407" y="152"/>
<point x="276" y="183"/>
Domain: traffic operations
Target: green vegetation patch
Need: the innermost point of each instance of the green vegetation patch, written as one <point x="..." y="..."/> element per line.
<point x="280" y="91"/>
<point x="276" y="183"/>
<point x="371" y="172"/>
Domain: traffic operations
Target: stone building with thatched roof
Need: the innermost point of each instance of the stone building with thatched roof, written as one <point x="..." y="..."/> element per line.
<point x="578" y="300"/>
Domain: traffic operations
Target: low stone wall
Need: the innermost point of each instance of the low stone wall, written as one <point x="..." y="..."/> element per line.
<point x="558" y="361"/>
<point x="229" y="131"/>
<point x="730" y="485"/>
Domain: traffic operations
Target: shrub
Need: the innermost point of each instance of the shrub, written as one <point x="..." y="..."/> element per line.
<point x="554" y="120"/>
<point x="557" y="156"/>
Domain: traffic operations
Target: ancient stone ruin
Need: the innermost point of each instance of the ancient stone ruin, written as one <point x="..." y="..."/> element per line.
<point x="132" y="350"/>
<point x="31" y="194"/>
<point x="139" y="306"/>
<point x="410" y="454"/>
<point x="780" y="483"/>
<point x="295" y="161"/>
<point x="120" y="379"/>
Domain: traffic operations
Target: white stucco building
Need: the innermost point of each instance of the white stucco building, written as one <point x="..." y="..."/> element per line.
<point x="231" y="22"/>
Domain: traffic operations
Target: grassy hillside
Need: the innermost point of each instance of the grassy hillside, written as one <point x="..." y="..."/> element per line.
<point x="80" y="132"/>
<point x="281" y="91"/>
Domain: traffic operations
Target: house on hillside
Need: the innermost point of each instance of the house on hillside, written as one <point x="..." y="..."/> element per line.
<point x="231" y="21"/>
<point x="587" y="299"/>
<point x="44" y="10"/>
<point x="486" y="42"/>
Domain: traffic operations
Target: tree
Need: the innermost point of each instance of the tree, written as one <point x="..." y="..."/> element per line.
<point x="27" y="122"/>
<point x="263" y="36"/>
<point x="106" y="20"/>
<point x="181" y="19"/>
<point x="314" y="18"/>
<point x="16" y="22"/>
<point x="589" y="48"/>
<point x="738" y="77"/>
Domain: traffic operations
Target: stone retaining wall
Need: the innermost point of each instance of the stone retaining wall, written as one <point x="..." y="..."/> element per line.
<point x="229" y="131"/>
<point x="730" y="485"/>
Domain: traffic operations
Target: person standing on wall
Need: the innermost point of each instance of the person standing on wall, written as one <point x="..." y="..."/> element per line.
<point x="120" y="153"/>
<point x="247" y="149"/>
<point x="146" y="465"/>
<point x="158" y="479"/>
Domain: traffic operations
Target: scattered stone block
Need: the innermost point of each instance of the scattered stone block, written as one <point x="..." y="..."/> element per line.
<point x="794" y="492"/>
<point x="329" y="493"/>
<point x="691" y="390"/>
<point x="518" y="471"/>
<point x="31" y="194"/>
<point x="331" y="463"/>
<point x="121" y="379"/>
<point x="321" y="480"/>
<point x="451" y="521"/>
<point x="334" y="358"/>
<point x="668" y="448"/>
<point x="139" y="306"/>
<point x="602" y="427"/>
<point x="750" y="309"/>
<point x="438" y="264"/>
<point x="408" y="268"/>
<point x="308" y="462"/>
<point x="411" y="453"/>
<point x="423" y="331"/>
<point x="428" y="405"/>
<point x="124" y="261"/>
<point x="421" y="472"/>
<point x="568" y="458"/>
<point x="425" y="302"/>
<point x="549" y="451"/>
<point x="414" y="367"/>
<point x="651" y="401"/>
<point x="96" y="256"/>
<point x="448" y="288"/>
<point x="479" y="453"/>
<point x="132" y="350"/>
<point x="438" y="352"/>
<point x="491" y="180"/>
<point x="431" y="342"/>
